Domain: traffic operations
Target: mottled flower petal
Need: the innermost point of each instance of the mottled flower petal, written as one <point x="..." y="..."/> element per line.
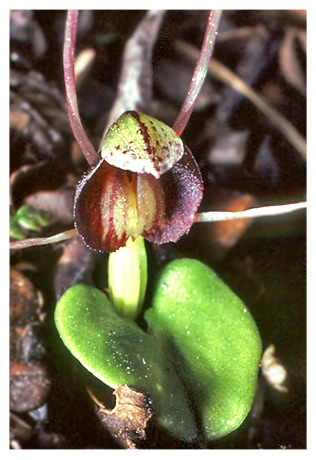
<point x="140" y="143"/>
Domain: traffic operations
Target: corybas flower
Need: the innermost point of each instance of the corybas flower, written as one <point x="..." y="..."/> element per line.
<point x="147" y="183"/>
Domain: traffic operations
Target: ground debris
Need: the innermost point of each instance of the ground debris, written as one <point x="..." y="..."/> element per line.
<point x="127" y="421"/>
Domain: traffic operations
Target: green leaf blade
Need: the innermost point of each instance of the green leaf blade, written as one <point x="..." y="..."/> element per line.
<point x="117" y="351"/>
<point x="213" y="340"/>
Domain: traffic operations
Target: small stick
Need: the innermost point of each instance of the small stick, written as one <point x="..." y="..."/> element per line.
<point x="214" y="216"/>
<point x="211" y="216"/>
<point x="224" y="74"/>
<point x="135" y="85"/>
<point x="21" y="244"/>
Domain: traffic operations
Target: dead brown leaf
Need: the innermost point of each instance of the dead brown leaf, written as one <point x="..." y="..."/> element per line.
<point x="227" y="233"/>
<point x="29" y="386"/>
<point x="19" y="431"/>
<point x="83" y="65"/>
<point x="135" y="85"/>
<point x="127" y="421"/>
<point x="26" y="315"/>
<point x="25" y="300"/>
<point x="224" y="74"/>
<point x="58" y="203"/>
<point x="74" y="266"/>
<point x="293" y="68"/>
<point x="26" y="178"/>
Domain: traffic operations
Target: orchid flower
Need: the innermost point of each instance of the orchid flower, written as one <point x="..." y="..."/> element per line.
<point x="120" y="200"/>
<point x="146" y="181"/>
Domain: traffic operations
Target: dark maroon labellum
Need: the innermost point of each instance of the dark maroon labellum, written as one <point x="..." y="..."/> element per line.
<point x="112" y="205"/>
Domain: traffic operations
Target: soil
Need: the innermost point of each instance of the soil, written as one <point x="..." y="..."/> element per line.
<point x="245" y="161"/>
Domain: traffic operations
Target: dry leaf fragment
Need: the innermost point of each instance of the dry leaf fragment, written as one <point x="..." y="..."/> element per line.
<point x="28" y="178"/>
<point x="174" y="88"/>
<point x="20" y="430"/>
<point x="29" y="386"/>
<point x="135" y="84"/>
<point x="227" y="233"/>
<point x="83" y="65"/>
<point x="224" y="74"/>
<point x="74" y="266"/>
<point x="58" y="203"/>
<point x="294" y="46"/>
<point x="273" y="371"/>
<point x="25" y="300"/>
<point x="229" y="148"/>
<point x="128" y="419"/>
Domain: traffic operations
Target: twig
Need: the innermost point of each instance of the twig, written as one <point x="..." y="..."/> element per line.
<point x="199" y="72"/>
<point x="215" y="216"/>
<point x="21" y="244"/>
<point x="225" y="75"/>
<point x="71" y="96"/>
<point x="135" y="84"/>
<point x="211" y="216"/>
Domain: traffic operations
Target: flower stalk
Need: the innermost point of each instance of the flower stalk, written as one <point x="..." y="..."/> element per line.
<point x="71" y="96"/>
<point x="127" y="269"/>
<point x="200" y="72"/>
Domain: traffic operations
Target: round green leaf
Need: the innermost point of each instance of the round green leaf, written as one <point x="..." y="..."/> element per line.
<point x="117" y="351"/>
<point x="213" y="340"/>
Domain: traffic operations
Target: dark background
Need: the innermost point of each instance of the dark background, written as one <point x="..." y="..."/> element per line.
<point x="265" y="264"/>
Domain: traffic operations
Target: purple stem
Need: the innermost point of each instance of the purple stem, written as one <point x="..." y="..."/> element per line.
<point x="71" y="96"/>
<point x="199" y="72"/>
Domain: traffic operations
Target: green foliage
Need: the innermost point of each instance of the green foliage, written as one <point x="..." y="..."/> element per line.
<point x="117" y="351"/>
<point x="28" y="219"/>
<point x="203" y="346"/>
<point x="213" y="341"/>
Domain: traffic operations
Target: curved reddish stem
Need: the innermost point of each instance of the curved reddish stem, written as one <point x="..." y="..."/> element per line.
<point x="199" y="72"/>
<point x="71" y="96"/>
